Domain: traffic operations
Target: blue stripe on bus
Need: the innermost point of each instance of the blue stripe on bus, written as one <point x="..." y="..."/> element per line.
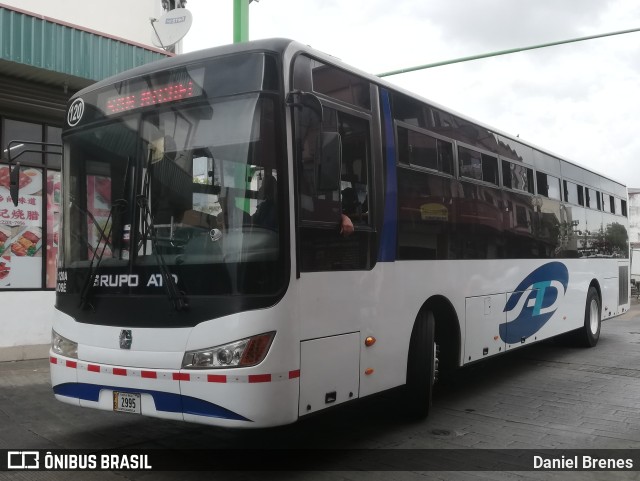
<point x="387" y="252"/>
<point x="164" y="401"/>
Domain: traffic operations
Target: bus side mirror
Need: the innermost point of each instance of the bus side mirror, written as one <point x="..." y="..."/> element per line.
<point x="14" y="183"/>
<point x="329" y="161"/>
<point x="328" y="145"/>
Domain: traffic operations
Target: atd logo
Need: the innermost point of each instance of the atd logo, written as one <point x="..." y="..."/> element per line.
<point x="534" y="301"/>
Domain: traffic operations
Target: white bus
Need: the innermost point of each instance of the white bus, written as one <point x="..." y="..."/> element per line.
<point x="203" y="275"/>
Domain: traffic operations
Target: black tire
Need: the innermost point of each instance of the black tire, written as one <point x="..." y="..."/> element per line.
<point x="421" y="367"/>
<point x="589" y="334"/>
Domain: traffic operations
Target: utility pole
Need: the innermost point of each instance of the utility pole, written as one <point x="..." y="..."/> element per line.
<point x="241" y="20"/>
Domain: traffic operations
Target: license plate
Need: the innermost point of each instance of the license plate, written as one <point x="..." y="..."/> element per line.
<point x="126" y="402"/>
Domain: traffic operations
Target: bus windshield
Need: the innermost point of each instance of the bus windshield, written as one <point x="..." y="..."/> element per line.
<point x="191" y="190"/>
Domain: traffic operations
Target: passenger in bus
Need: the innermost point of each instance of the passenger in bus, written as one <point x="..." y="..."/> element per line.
<point x="231" y="216"/>
<point x="352" y="211"/>
<point x="346" y="226"/>
<point x="352" y="206"/>
<point x="266" y="214"/>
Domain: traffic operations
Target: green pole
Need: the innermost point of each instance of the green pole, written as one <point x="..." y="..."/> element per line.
<point x="240" y="21"/>
<point x="503" y="52"/>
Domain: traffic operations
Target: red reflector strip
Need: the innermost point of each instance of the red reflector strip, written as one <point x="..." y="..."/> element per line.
<point x="176" y="376"/>
<point x="260" y="378"/>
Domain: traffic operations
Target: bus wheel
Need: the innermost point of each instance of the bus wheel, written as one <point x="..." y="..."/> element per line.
<point x="422" y="367"/>
<point x="590" y="333"/>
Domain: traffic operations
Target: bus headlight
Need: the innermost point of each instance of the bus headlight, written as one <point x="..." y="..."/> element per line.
<point x="243" y="353"/>
<point x="63" y="346"/>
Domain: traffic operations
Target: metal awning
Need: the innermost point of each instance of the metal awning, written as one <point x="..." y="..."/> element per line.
<point x="51" y="52"/>
<point x="43" y="61"/>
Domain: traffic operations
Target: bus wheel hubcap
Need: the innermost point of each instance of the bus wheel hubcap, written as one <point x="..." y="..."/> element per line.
<point x="593" y="316"/>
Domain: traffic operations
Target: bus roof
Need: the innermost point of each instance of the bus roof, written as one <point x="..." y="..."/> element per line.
<point x="282" y="46"/>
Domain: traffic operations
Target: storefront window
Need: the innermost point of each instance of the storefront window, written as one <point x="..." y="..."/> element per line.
<point x="29" y="230"/>
<point x="15" y="130"/>
<point x="53" y="159"/>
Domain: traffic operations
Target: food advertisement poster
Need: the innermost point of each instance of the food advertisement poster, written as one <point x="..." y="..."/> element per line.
<point x="21" y="230"/>
<point x="53" y="222"/>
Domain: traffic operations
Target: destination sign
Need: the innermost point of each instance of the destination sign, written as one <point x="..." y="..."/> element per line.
<point x="138" y="93"/>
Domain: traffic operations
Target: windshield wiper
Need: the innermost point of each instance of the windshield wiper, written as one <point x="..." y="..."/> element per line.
<point x="120" y="205"/>
<point x="177" y="297"/>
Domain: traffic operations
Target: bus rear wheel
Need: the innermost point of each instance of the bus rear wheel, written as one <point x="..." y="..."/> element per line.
<point x="422" y="366"/>
<point x="589" y="334"/>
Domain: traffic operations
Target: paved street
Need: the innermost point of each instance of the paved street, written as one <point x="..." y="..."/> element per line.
<point x="545" y="396"/>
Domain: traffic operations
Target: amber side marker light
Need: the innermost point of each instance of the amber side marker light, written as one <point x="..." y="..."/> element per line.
<point x="369" y="341"/>
<point x="368" y="371"/>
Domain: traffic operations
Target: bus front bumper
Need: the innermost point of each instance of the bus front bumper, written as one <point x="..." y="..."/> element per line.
<point x="222" y="398"/>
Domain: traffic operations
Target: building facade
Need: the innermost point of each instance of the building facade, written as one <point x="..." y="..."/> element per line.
<point x="48" y="51"/>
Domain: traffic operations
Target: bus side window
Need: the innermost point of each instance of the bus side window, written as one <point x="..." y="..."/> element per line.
<point x="322" y="248"/>
<point x="354" y="175"/>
